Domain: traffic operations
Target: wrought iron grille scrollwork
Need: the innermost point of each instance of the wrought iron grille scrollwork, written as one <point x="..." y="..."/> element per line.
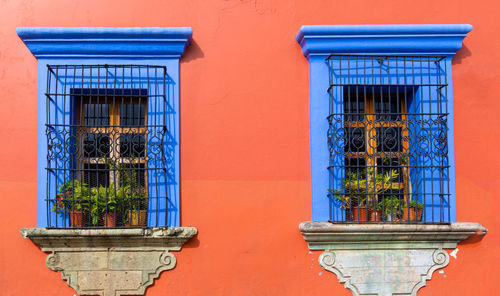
<point x="388" y="139"/>
<point x="109" y="151"/>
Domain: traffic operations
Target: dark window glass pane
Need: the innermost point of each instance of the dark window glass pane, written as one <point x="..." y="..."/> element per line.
<point x="133" y="175"/>
<point x="96" y="145"/>
<point x="354" y="104"/>
<point x="96" y="114"/>
<point x="132" y="145"/>
<point x="389" y="139"/>
<point x="355" y="139"/>
<point x="387" y="108"/>
<point x="95" y="175"/>
<point x="132" y="114"/>
<point x="355" y="166"/>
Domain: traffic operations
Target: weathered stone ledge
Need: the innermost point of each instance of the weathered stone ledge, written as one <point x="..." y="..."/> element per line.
<point x="151" y="237"/>
<point x="110" y="262"/>
<point x="385" y="259"/>
<point x="324" y="235"/>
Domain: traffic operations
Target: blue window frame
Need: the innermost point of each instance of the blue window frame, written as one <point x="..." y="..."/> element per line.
<point x="67" y="48"/>
<point x="331" y="77"/>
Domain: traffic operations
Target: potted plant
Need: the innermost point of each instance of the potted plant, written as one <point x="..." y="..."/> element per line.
<point x="104" y="205"/>
<point x="359" y="195"/>
<point x="71" y="201"/>
<point x="135" y="205"/>
<point x="413" y="212"/>
<point x="135" y="202"/>
<point x="394" y="209"/>
<point x="391" y="207"/>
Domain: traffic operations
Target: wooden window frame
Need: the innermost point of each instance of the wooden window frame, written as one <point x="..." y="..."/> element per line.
<point x="369" y="125"/>
<point x="113" y="130"/>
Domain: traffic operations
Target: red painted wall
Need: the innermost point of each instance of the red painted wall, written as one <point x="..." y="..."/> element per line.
<point x="245" y="150"/>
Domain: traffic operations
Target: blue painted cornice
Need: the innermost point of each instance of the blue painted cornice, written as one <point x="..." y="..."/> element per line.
<point x="382" y="39"/>
<point x="83" y="42"/>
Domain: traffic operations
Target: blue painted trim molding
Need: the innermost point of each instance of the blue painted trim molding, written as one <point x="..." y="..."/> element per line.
<point x="318" y="42"/>
<point x="382" y="39"/>
<point x="88" y="46"/>
<point x="61" y="42"/>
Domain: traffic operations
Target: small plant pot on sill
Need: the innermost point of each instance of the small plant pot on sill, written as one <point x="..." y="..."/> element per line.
<point x="365" y="214"/>
<point x="375" y="215"/>
<point x="137" y="218"/>
<point x="76" y="218"/>
<point x="412" y="214"/>
<point x="109" y="220"/>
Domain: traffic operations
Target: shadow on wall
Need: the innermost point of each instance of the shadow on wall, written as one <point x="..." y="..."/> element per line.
<point x="193" y="52"/>
<point x="463" y="53"/>
<point x="192" y="243"/>
<point x="474" y="239"/>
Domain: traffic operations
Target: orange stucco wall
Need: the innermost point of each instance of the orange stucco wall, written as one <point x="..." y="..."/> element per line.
<point x="244" y="144"/>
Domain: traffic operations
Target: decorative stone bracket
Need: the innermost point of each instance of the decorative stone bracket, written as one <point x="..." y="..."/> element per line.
<point x="110" y="262"/>
<point x="385" y="259"/>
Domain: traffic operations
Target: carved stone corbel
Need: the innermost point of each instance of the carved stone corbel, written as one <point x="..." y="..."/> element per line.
<point x="385" y="259"/>
<point x="110" y="262"/>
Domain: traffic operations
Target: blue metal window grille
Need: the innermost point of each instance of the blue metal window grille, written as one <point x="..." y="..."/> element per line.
<point x="387" y="139"/>
<point x="109" y="151"/>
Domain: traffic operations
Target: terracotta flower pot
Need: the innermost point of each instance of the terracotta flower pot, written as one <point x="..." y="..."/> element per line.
<point x="109" y="220"/>
<point x="365" y="214"/>
<point x="415" y="215"/>
<point x="137" y="217"/>
<point x="76" y="218"/>
<point x="359" y="213"/>
<point x="375" y="215"/>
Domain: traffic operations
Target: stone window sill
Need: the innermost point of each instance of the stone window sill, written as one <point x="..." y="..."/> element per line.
<point x="110" y="261"/>
<point x="385" y="259"/>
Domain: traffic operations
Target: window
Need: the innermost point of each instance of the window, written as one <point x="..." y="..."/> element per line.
<point x="107" y="145"/>
<point x="388" y="138"/>
<point x="381" y="121"/>
<point x="139" y="69"/>
<point x="381" y="128"/>
<point x="108" y="153"/>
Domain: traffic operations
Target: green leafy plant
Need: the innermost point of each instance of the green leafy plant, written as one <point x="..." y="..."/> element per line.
<point x="391" y="206"/>
<point x="72" y="196"/>
<point x="116" y="198"/>
<point x="415" y="204"/>
<point x="104" y="200"/>
<point x="361" y="189"/>
<point x="394" y="206"/>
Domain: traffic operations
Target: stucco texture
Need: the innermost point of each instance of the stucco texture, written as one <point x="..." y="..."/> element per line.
<point x="245" y="140"/>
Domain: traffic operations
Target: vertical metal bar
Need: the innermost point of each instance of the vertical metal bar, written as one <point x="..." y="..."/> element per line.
<point x="63" y="127"/>
<point x="445" y="111"/>
<point x="82" y="132"/>
<point x="162" y="144"/>
<point x="342" y="119"/>
<point x="120" y="163"/>
<point x="73" y="133"/>
<point x="56" y="134"/>
<point x="48" y="167"/>
<point x="368" y="119"/>
<point x="438" y="120"/>
<point x="137" y="170"/>
<point x="155" y="123"/>
<point x="406" y="164"/>
<point x="431" y="113"/>
<point x="399" y="138"/>
<point x="422" y="85"/>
